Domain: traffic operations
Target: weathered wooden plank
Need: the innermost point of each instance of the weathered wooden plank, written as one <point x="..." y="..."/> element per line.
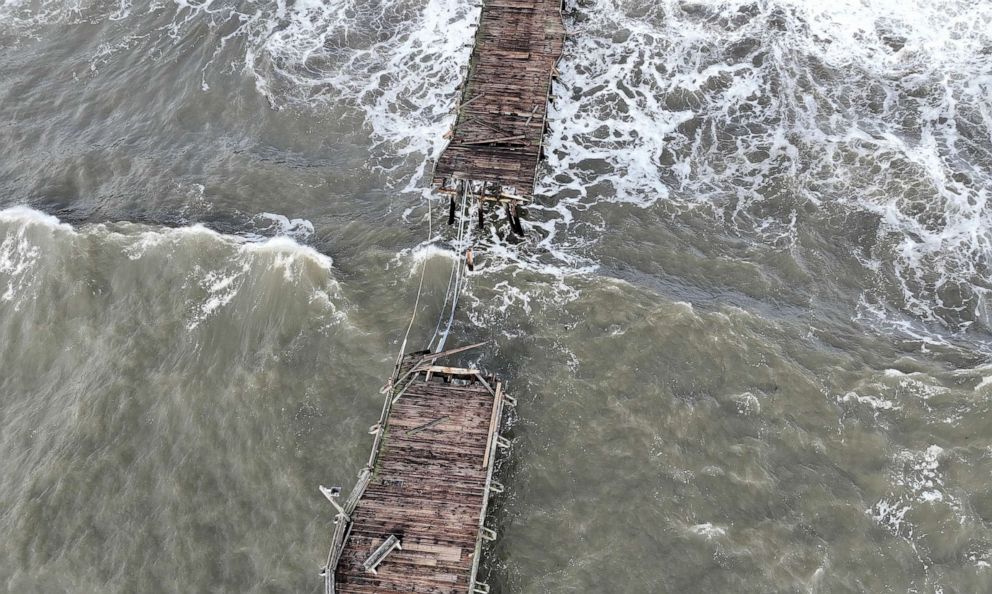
<point x="493" y="427"/>
<point x="518" y="44"/>
<point x="427" y="488"/>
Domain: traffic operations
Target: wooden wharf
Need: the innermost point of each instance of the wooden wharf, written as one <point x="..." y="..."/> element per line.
<point x="500" y="124"/>
<point x="415" y="522"/>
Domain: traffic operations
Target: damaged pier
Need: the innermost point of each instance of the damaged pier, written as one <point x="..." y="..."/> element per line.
<point x="499" y="129"/>
<point x="415" y="521"/>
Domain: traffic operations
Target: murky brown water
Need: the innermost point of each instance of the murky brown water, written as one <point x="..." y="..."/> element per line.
<point x="748" y="329"/>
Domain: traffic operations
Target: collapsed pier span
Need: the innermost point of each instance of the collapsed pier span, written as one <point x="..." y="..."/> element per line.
<point x="415" y="522"/>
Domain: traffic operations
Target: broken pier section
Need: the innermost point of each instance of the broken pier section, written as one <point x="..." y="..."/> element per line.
<point x="415" y="521"/>
<point x="499" y="131"/>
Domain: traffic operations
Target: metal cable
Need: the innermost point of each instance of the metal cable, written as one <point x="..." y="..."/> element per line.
<point x="420" y="292"/>
<point x="451" y="280"/>
<point x="459" y="278"/>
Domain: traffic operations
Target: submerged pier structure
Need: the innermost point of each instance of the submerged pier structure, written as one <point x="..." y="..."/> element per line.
<point x="416" y="520"/>
<point x="499" y="129"/>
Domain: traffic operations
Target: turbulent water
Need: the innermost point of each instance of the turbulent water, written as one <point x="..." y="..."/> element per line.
<point x="748" y="328"/>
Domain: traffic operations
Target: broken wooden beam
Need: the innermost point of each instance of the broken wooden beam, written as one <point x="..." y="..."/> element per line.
<point x="376" y="558"/>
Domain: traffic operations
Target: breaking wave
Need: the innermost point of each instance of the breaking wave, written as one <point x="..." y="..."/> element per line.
<point x="778" y="118"/>
<point x="775" y="116"/>
<point x="195" y="273"/>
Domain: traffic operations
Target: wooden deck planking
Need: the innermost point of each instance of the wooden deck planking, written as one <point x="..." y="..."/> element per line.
<point x="429" y="488"/>
<point x="499" y="131"/>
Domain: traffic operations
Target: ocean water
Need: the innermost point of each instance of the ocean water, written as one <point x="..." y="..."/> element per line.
<point x="748" y="328"/>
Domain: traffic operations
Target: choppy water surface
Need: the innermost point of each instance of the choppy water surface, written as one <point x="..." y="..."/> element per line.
<point x="748" y="329"/>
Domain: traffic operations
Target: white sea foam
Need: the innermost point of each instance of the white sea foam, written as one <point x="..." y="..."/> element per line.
<point x="425" y="252"/>
<point x="219" y="266"/>
<point x="20" y="251"/>
<point x="748" y="404"/>
<point x="708" y="530"/>
<point x="917" y="385"/>
<point x="916" y="480"/>
<point x="246" y="258"/>
<point x="291" y="257"/>
<point x="890" y="514"/>
<point x="25" y="15"/>
<point x="757" y="111"/>
<point x="296" y="228"/>
<point x="29" y="216"/>
<point x="398" y="62"/>
<point x="715" y="107"/>
<point x="17" y="257"/>
<point x="873" y="402"/>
